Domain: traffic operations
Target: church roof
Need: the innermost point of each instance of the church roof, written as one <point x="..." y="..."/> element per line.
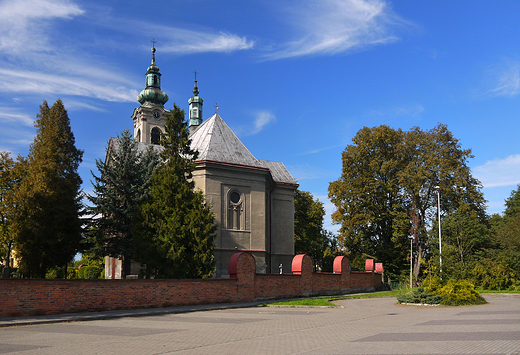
<point x="215" y="141"/>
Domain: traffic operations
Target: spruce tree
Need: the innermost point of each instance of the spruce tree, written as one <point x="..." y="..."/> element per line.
<point x="48" y="201"/>
<point x="181" y="226"/>
<point x="122" y="185"/>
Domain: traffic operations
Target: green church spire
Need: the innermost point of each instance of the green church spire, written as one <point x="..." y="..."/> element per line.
<point x="152" y="95"/>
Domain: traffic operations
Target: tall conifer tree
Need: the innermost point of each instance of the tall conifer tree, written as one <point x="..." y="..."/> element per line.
<point x="122" y="185"/>
<point x="182" y="223"/>
<point x="49" y="199"/>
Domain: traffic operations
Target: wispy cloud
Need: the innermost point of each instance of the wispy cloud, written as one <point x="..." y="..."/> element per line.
<point x="26" y="81"/>
<point x="499" y="172"/>
<point x="16" y="139"/>
<point x="182" y="41"/>
<point x="262" y="119"/>
<point x="40" y="59"/>
<point x="307" y="172"/>
<point x="506" y="80"/>
<point x="34" y="59"/>
<point x="7" y="115"/>
<point x="24" y="24"/>
<point x="336" y="26"/>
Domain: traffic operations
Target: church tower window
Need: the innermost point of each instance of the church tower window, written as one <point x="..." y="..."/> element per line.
<point x="138" y="135"/>
<point x="156" y="135"/>
<point x="235" y="218"/>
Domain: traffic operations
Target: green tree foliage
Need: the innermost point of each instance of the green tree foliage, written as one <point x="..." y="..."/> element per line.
<point x="386" y="192"/>
<point x="465" y="237"/>
<point x="308" y="226"/>
<point x="370" y="208"/>
<point x="178" y="228"/>
<point x="309" y="235"/>
<point x="48" y="201"/>
<point x="435" y="158"/>
<point x="122" y="185"/>
<point x="505" y="233"/>
<point x="10" y="175"/>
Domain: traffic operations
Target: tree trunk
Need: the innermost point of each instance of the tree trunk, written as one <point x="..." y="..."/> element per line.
<point x="417" y="263"/>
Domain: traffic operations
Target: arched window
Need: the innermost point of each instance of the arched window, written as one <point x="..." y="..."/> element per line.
<point x="138" y="135"/>
<point x="235" y="210"/>
<point x="156" y="135"/>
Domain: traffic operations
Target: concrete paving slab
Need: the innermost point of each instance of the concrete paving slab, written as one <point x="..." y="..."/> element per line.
<point x="362" y="326"/>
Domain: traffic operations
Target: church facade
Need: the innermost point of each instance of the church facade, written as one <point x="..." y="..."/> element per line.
<point x="253" y="199"/>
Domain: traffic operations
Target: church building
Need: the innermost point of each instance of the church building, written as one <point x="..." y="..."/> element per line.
<point x="253" y="199"/>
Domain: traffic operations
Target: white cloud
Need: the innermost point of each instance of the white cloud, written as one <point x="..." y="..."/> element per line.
<point x="36" y="64"/>
<point x="15" y="117"/>
<point x="187" y="42"/>
<point x="263" y="118"/>
<point x="499" y="172"/>
<point x="25" y="81"/>
<point x="23" y="23"/>
<point x="336" y="26"/>
<point x="16" y="138"/>
<point x="507" y="80"/>
<point x="39" y="59"/>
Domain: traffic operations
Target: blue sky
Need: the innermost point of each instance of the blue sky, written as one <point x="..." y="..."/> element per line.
<point x="294" y="79"/>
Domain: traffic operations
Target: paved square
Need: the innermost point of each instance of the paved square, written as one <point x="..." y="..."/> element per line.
<point x="364" y="326"/>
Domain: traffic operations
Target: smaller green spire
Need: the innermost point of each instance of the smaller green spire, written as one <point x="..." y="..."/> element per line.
<point x="195" y="103"/>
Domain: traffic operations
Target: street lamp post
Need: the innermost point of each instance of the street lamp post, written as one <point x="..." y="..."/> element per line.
<point x="438" y="189"/>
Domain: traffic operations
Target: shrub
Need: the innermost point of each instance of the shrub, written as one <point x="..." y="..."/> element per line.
<point x="459" y="293"/>
<point x="493" y="275"/>
<point x="420" y="296"/>
<point x="451" y="293"/>
<point x="89" y="272"/>
<point x="72" y="273"/>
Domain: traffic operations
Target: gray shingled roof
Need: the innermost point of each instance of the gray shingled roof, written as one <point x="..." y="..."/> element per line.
<point x="278" y="171"/>
<point x="215" y="141"/>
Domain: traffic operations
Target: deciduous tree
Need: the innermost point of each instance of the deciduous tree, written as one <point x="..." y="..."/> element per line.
<point x="435" y="158"/>
<point x="309" y="235"/>
<point x="387" y="191"/>
<point x="370" y="207"/>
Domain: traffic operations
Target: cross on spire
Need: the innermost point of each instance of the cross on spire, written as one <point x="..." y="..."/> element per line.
<point x="216" y="108"/>
<point x="153" y="50"/>
<point x="195" y="75"/>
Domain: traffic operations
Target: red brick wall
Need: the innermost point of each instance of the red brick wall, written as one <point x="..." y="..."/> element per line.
<point x="24" y="297"/>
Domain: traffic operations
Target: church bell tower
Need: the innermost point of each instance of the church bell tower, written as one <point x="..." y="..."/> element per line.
<point x="149" y="117"/>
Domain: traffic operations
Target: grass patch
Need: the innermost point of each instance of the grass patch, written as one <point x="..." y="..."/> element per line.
<point x="316" y="302"/>
<point x="498" y="291"/>
<point x="382" y="294"/>
<point x="325" y="302"/>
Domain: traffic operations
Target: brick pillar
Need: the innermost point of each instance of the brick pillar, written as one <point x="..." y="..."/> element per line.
<point x="242" y="268"/>
<point x="342" y="266"/>
<point x="369" y="265"/>
<point x="302" y="265"/>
